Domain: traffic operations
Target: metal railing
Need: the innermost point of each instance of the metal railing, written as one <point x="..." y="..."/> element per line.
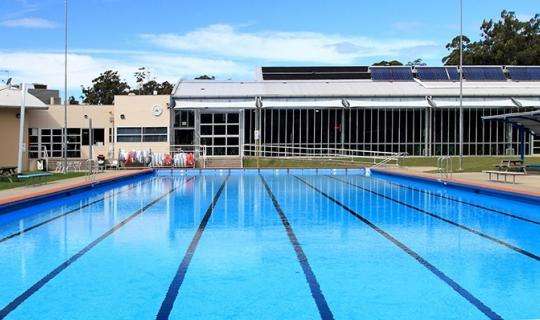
<point x="444" y="167"/>
<point x="366" y="157"/>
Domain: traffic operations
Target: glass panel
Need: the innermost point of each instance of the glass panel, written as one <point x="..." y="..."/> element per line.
<point x="131" y="130"/>
<point x="232" y="118"/>
<point x="232" y="141"/>
<point x="219" y="141"/>
<point x="206" y="130"/>
<point x="206" y="141"/>
<point x="155" y="138"/>
<point x="73" y="131"/>
<point x="155" y="130"/>
<point x="219" y="118"/>
<point x="219" y="130"/>
<point x="219" y="151"/>
<point x="45" y="131"/>
<point x="233" y="151"/>
<point x="136" y="138"/>
<point x="57" y="132"/>
<point x="206" y="118"/>
<point x="232" y="129"/>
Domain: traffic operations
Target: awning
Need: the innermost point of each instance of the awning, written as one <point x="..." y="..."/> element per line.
<point x="473" y="103"/>
<point x="409" y="103"/>
<point x="302" y="103"/>
<point x="214" y="104"/>
<point x="527" y="120"/>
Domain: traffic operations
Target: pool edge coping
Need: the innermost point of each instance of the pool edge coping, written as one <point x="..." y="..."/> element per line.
<point x="10" y="202"/>
<point x="474" y="186"/>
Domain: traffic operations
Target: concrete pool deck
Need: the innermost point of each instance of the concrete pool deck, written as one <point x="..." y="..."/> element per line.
<point x="528" y="185"/>
<point x="21" y="194"/>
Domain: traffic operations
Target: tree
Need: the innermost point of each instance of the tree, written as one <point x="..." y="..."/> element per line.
<point x="417" y="62"/>
<point x="388" y="63"/>
<point x="104" y="88"/>
<point x="508" y="41"/>
<point x="205" y="77"/>
<point x="149" y="86"/>
<point x="73" y="101"/>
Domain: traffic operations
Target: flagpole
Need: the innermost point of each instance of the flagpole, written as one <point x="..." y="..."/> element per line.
<point x="461" y="85"/>
<point x="64" y="153"/>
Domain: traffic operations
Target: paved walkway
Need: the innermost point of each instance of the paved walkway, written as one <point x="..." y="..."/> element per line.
<point x="26" y="192"/>
<point x="528" y="184"/>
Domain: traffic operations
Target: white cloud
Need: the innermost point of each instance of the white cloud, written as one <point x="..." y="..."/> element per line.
<point x="48" y="68"/>
<point x="311" y="47"/>
<point x="34" y="23"/>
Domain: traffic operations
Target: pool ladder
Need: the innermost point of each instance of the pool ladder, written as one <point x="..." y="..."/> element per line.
<point x="444" y="167"/>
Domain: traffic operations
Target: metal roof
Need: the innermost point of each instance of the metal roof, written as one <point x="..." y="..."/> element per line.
<point x="10" y="97"/>
<point x="527" y="120"/>
<point x="212" y="89"/>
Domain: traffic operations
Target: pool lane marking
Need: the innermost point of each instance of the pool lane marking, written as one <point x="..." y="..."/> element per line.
<point x="174" y="288"/>
<point x="441" y="275"/>
<point x="18" y="233"/>
<point x="51" y="275"/>
<point x="511" y="215"/>
<point x="316" y="292"/>
<point x="462" y="226"/>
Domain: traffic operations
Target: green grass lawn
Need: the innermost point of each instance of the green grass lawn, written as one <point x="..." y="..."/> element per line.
<point x="470" y="164"/>
<point x="5" y="184"/>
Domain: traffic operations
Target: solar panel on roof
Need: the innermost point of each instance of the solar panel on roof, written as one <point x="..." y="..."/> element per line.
<point x="483" y="74"/>
<point x="473" y="74"/>
<point x="453" y="73"/>
<point x="432" y="73"/>
<point x="381" y="74"/>
<point x="518" y="73"/>
<point x="402" y="73"/>
<point x="534" y="73"/>
<point x="493" y="73"/>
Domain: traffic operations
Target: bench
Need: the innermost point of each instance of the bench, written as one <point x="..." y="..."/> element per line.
<point x="511" y="165"/>
<point x="505" y="174"/>
<point x="8" y="172"/>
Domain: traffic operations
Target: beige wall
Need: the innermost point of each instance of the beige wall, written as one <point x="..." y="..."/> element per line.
<point x="9" y="133"/>
<point x="137" y="111"/>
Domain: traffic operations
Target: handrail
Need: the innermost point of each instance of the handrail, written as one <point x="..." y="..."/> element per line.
<point x="444" y="167"/>
<point x="375" y="158"/>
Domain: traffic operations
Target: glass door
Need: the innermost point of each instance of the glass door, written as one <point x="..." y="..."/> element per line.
<point x="220" y="132"/>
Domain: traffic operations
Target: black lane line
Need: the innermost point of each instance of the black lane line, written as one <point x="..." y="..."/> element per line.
<point x="449" y="281"/>
<point x="168" y="302"/>
<point x="18" y="233"/>
<point x="464" y="227"/>
<point x="461" y="201"/>
<point x="38" y="285"/>
<point x="316" y="292"/>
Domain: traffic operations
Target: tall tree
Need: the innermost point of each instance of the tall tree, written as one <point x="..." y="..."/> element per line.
<point x="507" y="41"/>
<point x="416" y="62"/>
<point x="147" y="85"/>
<point x="388" y="63"/>
<point x="104" y="88"/>
<point x="205" y="77"/>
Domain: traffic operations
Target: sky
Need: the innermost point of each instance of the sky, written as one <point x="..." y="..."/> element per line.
<point x="228" y="39"/>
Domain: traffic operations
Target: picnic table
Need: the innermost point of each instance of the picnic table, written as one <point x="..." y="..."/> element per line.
<point x="511" y="165"/>
<point x="8" y="172"/>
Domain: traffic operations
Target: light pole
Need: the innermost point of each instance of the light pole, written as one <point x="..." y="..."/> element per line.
<point x="21" y="129"/>
<point x="64" y="138"/>
<point x="460" y="85"/>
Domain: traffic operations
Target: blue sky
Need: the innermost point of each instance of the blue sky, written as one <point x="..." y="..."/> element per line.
<point x="228" y="39"/>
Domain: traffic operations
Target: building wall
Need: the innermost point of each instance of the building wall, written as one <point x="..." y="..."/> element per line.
<point x="138" y="111"/>
<point x="9" y="131"/>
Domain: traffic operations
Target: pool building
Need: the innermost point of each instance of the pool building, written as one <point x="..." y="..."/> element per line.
<point x="296" y="110"/>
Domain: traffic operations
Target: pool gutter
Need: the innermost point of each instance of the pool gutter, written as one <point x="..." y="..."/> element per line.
<point x="477" y="187"/>
<point x="18" y="201"/>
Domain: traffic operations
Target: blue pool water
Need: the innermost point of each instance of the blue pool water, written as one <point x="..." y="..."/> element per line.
<point x="302" y="244"/>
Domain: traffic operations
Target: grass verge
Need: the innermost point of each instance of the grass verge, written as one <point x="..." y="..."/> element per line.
<point x="5" y="184"/>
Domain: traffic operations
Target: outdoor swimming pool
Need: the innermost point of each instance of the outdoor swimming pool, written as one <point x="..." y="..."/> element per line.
<point x="302" y="244"/>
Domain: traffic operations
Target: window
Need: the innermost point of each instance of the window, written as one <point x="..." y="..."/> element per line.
<point x="99" y="136"/>
<point x="144" y="134"/>
<point x="50" y="141"/>
<point x="184" y="119"/>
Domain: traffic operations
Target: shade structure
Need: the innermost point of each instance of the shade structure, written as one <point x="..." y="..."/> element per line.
<point x="527" y="120"/>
